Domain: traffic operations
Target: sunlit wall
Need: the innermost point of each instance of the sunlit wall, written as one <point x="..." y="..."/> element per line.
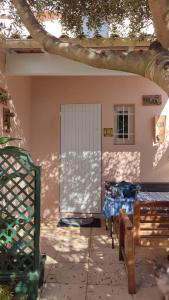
<point x="36" y="102"/>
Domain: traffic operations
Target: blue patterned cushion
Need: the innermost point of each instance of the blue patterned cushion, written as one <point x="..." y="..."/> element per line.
<point x="116" y="192"/>
<point x="129" y="189"/>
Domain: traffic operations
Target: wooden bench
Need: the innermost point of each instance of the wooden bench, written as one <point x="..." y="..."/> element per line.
<point x="149" y="228"/>
<point x="145" y="187"/>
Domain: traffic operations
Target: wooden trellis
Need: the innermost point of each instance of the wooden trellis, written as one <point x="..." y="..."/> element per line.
<point x="20" y="259"/>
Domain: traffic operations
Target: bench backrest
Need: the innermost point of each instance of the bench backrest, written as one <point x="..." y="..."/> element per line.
<point x="151" y="223"/>
<point x="154" y="187"/>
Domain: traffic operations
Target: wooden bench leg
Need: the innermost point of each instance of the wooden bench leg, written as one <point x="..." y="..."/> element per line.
<point x="126" y="249"/>
<point x="131" y="263"/>
<point x="114" y="224"/>
<point x="112" y="231"/>
<point x="111" y="226"/>
<point x="131" y="278"/>
<point x="121" y="239"/>
<point x="107" y="223"/>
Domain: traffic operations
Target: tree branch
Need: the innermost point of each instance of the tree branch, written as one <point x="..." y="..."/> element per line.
<point x="160" y="14"/>
<point x="100" y="59"/>
<point x="152" y="64"/>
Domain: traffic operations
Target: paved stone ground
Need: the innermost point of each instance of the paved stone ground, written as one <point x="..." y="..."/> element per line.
<point x="81" y="265"/>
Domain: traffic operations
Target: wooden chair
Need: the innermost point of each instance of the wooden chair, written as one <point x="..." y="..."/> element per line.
<point x="150" y="228"/>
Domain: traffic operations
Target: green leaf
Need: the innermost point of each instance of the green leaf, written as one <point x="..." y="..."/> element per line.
<point x="6" y="139"/>
<point x="15" y="148"/>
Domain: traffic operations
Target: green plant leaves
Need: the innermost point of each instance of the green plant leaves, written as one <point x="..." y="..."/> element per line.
<point x="5" y="292"/>
<point x="6" y="139"/>
<point x="15" y="148"/>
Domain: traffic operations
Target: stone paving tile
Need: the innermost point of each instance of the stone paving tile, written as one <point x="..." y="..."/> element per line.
<point x="99" y="231"/>
<point x="115" y="241"/>
<point x="54" y="291"/>
<point x="107" y="274"/>
<point x="151" y="253"/>
<point x="105" y="255"/>
<point x="84" y="231"/>
<point x="72" y="256"/>
<point x="145" y="273"/>
<point x="53" y="245"/>
<point x="72" y="273"/>
<point x="82" y="258"/>
<point x="99" y="242"/>
<point x="49" y="250"/>
<point x="48" y="267"/>
<point x="107" y="292"/>
<point x="55" y="236"/>
<point x="146" y="265"/>
<point x="149" y="293"/>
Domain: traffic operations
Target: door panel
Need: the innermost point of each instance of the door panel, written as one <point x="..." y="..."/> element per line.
<point x="80" y="174"/>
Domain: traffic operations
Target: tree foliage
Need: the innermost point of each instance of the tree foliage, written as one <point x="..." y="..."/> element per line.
<point x="112" y="12"/>
<point x="93" y="14"/>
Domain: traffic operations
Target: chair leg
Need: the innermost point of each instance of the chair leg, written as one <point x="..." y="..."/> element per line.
<point x="131" y="278"/>
<point x="111" y="226"/>
<point x="107" y="223"/>
<point x="121" y="239"/>
<point x="112" y="230"/>
<point x="131" y="262"/>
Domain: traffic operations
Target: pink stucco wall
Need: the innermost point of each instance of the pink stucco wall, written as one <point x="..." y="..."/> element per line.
<point x="143" y="161"/>
<point x="20" y="103"/>
<point x="36" y="103"/>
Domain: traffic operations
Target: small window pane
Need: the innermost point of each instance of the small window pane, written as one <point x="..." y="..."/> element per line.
<point x="124" y="124"/>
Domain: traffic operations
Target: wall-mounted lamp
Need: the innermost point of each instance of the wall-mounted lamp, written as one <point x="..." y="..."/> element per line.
<point x="7" y="115"/>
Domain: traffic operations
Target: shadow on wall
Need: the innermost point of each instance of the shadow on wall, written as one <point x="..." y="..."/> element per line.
<point x="49" y="185"/>
<point x="161" y="151"/>
<point x="118" y="166"/>
<point x="80" y="181"/>
<point x="162" y="148"/>
<point x="16" y="126"/>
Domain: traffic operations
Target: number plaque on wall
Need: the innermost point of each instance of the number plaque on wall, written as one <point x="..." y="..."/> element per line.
<point x="152" y="100"/>
<point x="108" y="132"/>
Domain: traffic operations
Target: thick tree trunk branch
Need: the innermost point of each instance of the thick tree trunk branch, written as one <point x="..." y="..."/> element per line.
<point x="160" y="14"/>
<point x="100" y="59"/>
<point x="152" y="64"/>
<point x="158" y="69"/>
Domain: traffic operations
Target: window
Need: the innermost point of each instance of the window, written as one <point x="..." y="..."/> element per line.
<point x="124" y="124"/>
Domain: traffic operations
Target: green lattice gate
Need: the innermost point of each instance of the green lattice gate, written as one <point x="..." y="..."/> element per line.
<point x="20" y="260"/>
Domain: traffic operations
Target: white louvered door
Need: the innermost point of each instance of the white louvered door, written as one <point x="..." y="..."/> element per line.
<point x="80" y="174"/>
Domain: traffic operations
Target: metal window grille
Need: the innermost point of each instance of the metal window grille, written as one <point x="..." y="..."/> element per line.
<point x="124" y="124"/>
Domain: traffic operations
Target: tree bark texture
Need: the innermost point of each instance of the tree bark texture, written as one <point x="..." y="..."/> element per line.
<point x="160" y="15"/>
